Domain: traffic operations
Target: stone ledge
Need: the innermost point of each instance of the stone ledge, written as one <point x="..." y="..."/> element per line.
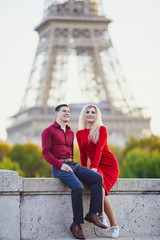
<point x="123" y="185"/>
<point x="10" y="181"/>
<point x="120" y="238"/>
<point x="137" y="185"/>
<point x="39" y="208"/>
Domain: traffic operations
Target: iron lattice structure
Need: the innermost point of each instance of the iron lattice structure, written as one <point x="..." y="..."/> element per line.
<point x="75" y="62"/>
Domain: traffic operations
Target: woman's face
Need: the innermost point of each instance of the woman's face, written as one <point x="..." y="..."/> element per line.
<point x="91" y="115"/>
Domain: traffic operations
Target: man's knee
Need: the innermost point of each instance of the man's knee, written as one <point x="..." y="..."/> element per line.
<point x="79" y="187"/>
<point x="99" y="177"/>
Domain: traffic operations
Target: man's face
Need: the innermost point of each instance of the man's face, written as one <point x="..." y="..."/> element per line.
<point x="63" y="114"/>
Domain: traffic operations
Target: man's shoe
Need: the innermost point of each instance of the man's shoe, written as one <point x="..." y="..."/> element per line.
<point x="114" y="232"/>
<point x="77" y="231"/>
<point x="94" y="218"/>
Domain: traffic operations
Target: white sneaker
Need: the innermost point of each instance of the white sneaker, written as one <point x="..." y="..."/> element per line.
<point x="114" y="231"/>
<point x="103" y="220"/>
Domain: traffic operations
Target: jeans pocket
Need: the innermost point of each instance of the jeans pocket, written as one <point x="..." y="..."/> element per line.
<point x="73" y="165"/>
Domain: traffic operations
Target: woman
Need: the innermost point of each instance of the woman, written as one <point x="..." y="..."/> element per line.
<point x="92" y="142"/>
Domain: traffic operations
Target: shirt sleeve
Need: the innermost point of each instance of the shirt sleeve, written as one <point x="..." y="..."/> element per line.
<point x="83" y="155"/>
<point x="46" y="138"/>
<point x="100" y="145"/>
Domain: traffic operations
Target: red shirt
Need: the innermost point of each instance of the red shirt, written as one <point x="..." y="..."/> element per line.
<point x="57" y="144"/>
<point x="100" y="156"/>
<point x="98" y="153"/>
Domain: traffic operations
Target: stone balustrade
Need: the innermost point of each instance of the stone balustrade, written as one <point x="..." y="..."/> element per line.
<point x="40" y="209"/>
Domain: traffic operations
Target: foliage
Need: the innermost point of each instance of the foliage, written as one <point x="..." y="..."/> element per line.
<point x="4" y="149"/>
<point x="29" y="157"/>
<point x="141" y="158"/>
<point x="8" y="164"/>
<point x="117" y="152"/>
<point x="140" y="163"/>
<point x="150" y="143"/>
<point x="76" y="156"/>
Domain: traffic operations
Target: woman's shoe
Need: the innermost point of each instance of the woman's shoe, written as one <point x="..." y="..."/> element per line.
<point x="114" y="231"/>
<point x="103" y="220"/>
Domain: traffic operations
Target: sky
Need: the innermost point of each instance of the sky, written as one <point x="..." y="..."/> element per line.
<point x="135" y="33"/>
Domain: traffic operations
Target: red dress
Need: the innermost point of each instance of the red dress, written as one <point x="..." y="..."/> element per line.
<point x="100" y="156"/>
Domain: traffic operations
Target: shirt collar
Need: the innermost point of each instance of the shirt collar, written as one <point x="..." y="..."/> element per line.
<point x="55" y="124"/>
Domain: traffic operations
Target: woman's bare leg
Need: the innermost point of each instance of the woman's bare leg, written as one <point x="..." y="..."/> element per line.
<point x="107" y="208"/>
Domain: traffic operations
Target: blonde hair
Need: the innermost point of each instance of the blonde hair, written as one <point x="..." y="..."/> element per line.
<point x="94" y="133"/>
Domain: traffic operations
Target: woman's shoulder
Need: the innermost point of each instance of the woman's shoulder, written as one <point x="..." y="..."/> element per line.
<point x="103" y="128"/>
<point x="79" y="132"/>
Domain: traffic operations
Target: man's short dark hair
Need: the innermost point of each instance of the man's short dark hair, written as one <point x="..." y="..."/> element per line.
<point x="59" y="107"/>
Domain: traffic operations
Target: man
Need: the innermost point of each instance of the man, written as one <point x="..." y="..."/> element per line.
<point x="57" y="149"/>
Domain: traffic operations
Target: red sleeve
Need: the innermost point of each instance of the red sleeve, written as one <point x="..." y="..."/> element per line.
<point x="46" y="149"/>
<point x="100" y="145"/>
<point x="83" y="155"/>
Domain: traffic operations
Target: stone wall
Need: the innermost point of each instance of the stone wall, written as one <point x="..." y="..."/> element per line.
<point x="40" y="208"/>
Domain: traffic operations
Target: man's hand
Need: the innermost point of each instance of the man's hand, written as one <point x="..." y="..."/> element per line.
<point x="66" y="168"/>
<point x="94" y="169"/>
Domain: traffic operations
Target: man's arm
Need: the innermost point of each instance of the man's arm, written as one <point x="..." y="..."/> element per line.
<point x="46" y="138"/>
<point x="46" y="151"/>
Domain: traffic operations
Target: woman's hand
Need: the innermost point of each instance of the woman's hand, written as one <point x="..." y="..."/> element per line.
<point x="94" y="169"/>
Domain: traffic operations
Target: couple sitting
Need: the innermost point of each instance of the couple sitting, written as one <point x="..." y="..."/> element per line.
<point x="57" y="148"/>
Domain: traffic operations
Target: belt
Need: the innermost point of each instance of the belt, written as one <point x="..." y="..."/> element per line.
<point x="66" y="160"/>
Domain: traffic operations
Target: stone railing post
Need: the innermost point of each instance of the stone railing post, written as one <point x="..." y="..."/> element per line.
<point x="10" y="188"/>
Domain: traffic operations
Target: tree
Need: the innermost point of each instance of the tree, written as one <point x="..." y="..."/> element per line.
<point x="29" y="157"/>
<point x="117" y="151"/>
<point x="141" y="157"/>
<point x="141" y="163"/>
<point x="150" y="143"/>
<point x="154" y="164"/>
<point x="4" y="149"/>
<point x="8" y="164"/>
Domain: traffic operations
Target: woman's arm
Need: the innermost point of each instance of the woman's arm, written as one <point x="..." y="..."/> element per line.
<point x="100" y="145"/>
<point x="83" y="155"/>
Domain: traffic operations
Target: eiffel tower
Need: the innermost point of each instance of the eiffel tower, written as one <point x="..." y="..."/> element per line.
<point x="76" y="63"/>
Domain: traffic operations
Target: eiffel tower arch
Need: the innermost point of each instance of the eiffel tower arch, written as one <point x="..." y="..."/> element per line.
<point x="76" y="63"/>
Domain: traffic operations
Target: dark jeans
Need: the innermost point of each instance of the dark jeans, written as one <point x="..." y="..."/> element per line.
<point x="73" y="181"/>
